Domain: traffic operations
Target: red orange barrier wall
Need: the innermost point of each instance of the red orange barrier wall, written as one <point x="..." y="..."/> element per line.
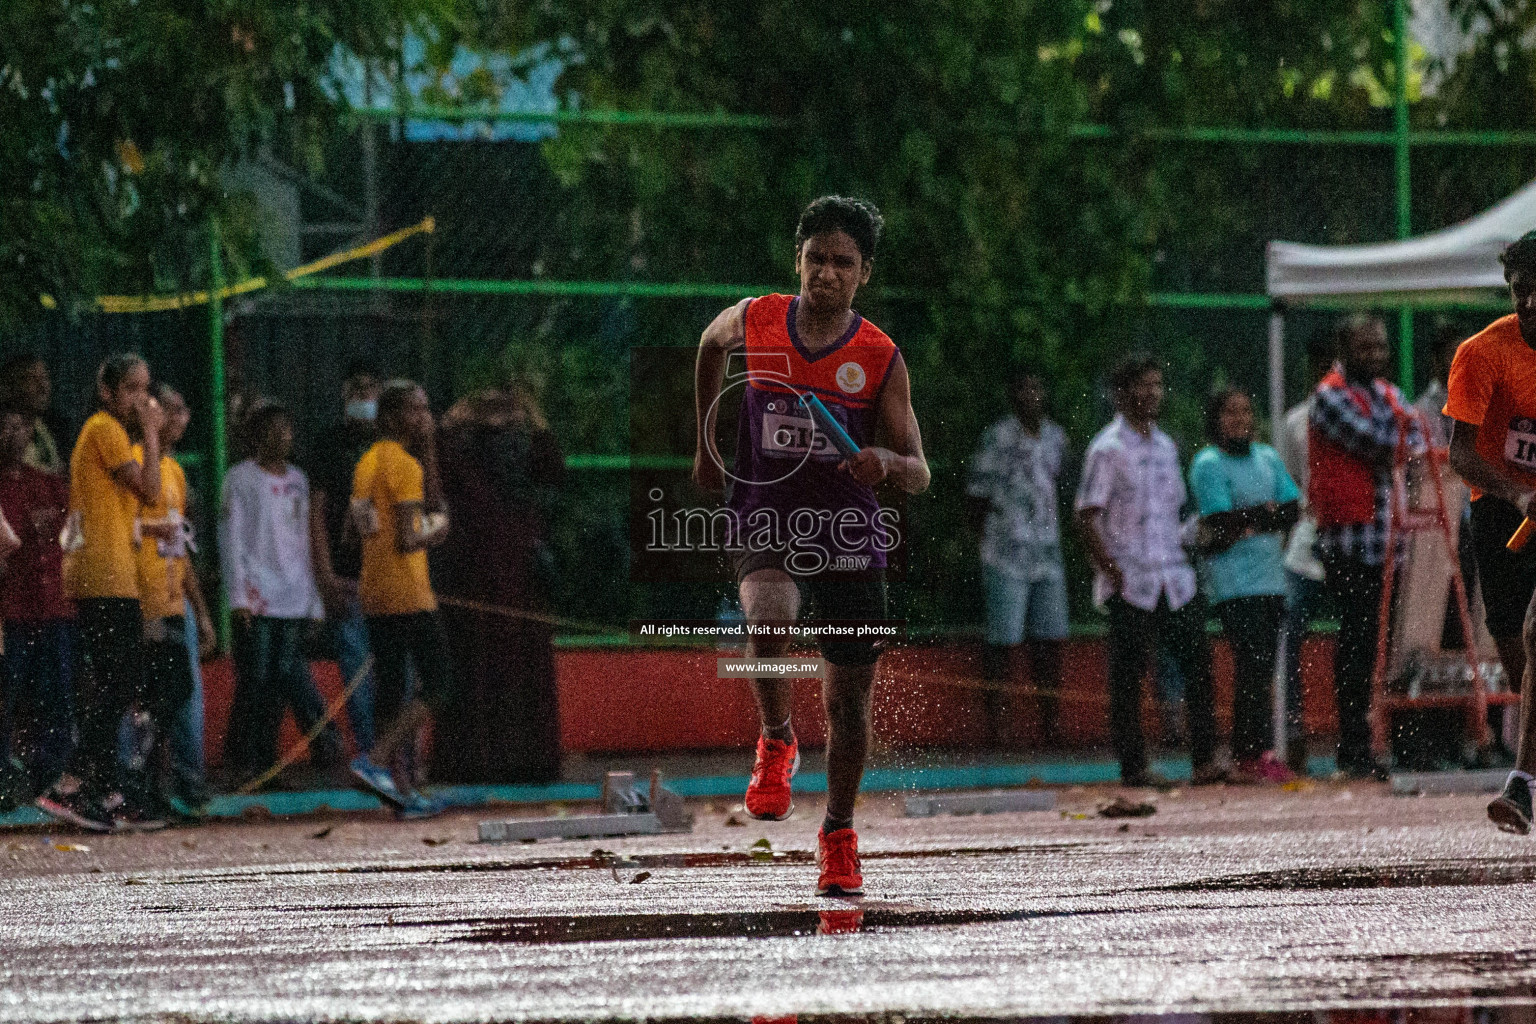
<point x="657" y="699"/>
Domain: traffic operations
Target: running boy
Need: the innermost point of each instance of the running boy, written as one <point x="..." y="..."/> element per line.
<point x="785" y="471"/>
<point x="397" y="510"/>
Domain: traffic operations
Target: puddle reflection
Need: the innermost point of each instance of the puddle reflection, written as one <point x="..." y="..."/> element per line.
<point x="755" y="924"/>
<point x="1392" y="876"/>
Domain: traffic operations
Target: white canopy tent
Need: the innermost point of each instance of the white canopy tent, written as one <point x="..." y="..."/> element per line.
<point x="1455" y="264"/>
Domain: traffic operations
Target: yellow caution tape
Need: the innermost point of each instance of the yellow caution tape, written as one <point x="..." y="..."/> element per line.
<point x="160" y="303"/>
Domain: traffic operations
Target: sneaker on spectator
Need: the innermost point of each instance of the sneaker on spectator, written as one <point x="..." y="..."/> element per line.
<point x="66" y="801"/>
<point x="378" y="780"/>
<point x="417" y="807"/>
<point x="133" y="815"/>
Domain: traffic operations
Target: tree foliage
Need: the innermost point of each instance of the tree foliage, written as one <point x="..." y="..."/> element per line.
<point x="1009" y="235"/>
<point x="119" y="116"/>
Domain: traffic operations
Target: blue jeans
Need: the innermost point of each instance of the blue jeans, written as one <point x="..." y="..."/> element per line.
<point x="273" y="676"/>
<point x="40" y="667"/>
<point x="186" y="728"/>
<point x="1303" y="596"/>
<point x="1017" y="608"/>
<point x="349" y="634"/>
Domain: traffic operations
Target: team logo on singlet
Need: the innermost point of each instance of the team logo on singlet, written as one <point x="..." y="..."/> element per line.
<point x="850" y="377"/>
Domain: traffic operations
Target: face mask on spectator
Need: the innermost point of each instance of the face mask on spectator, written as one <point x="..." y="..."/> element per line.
<point x="365" y="409"/>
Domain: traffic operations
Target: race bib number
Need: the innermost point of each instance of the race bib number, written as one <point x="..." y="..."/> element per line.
<point x="792" y="436"/>
<point x="174" y="546"/>
<point x="72" y="537"/>
<point x="1520" y="444"/>
<point x="365" y="517"/>
<point x="172" y="535"/>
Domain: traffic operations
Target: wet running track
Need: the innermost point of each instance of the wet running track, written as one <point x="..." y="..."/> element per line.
<point x="1225" y="900"/>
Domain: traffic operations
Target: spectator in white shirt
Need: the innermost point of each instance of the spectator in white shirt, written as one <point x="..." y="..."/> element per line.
<point x="1012" y="499"/>
<point x="1128" y="512"/>
<point x="265" y="552"/>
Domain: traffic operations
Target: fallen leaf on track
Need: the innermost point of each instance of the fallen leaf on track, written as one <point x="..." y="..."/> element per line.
<point x="1120" y="807"/>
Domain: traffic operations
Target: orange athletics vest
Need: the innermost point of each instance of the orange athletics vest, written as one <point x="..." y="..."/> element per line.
<point x="1341" y="487"/>
<point x="849" y="373"/>
<point x="782" y="463"/>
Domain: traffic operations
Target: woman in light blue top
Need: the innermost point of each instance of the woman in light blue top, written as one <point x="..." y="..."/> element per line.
<point x="1247" y="502"/>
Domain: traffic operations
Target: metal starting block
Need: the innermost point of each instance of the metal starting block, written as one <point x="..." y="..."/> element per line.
<point x="997" y="801"/>
<point x="1442" y="783"/>
<point x="628" y="810"/>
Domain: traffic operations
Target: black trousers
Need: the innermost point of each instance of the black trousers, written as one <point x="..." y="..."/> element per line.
<point x="111" y="631"/>
<point x="1252" y="628"/>
<point x="400" y="640"/>
<point x="1356" y="591"/>
<point x="167" y="672"/>
<point x="1134" y="634"/>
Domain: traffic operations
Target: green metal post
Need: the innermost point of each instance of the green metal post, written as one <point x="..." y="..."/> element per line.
<point x="1404" y="182"/>
<point x="216" y="400"/>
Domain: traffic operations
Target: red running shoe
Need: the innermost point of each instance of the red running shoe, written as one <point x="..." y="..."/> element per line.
<point x="768" y="796"/>
<point x="837" y="855"/>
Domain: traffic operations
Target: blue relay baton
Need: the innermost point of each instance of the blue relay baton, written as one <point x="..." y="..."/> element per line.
<point x="827" y="424"/>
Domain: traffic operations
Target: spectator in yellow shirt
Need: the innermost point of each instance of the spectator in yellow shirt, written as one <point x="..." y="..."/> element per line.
<point x="397" y="509"/>
<point x="168" y="590"/>
<point x="106" y="485"/>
